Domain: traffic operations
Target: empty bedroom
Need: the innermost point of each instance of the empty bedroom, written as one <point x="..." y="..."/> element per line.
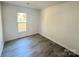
<point x="39" y="28"/>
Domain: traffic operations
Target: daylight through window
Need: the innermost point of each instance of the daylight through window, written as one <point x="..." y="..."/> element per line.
<point x="22" y="20"/>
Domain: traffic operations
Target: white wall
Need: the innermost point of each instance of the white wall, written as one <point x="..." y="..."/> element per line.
<point x="60" y="23"/>
<point x="1" y="33"/>
<point x="10" y="24"/>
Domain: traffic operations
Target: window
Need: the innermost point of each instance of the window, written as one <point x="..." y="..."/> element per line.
<point x="21" y="20"/>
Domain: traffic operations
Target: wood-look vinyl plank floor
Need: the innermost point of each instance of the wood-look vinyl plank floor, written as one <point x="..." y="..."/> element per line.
<point x="32" y="46"/>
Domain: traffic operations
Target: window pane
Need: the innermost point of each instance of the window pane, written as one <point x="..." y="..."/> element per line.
<point x="21" y="27"/>
<point x="21" y="17"/>
<point x="21" y="20"/>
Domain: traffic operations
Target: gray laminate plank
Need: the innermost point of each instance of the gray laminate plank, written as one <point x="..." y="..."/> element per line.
<point x="32" y="46"/>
